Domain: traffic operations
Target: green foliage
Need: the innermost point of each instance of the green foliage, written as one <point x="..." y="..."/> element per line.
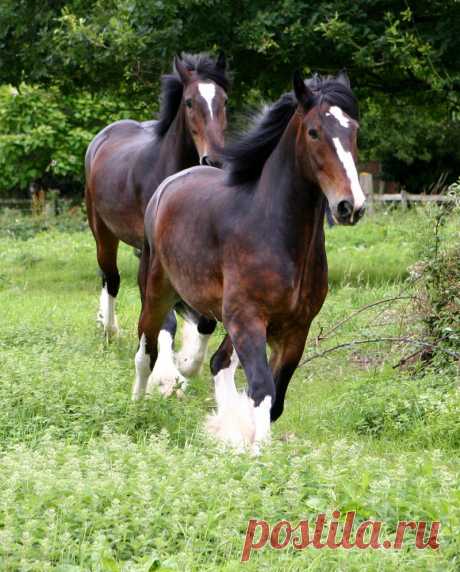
<point x="439" y="285"/>
<point x="423" y="408"/>
<point x="44" y="134"/>
<point x="401" y="56"/>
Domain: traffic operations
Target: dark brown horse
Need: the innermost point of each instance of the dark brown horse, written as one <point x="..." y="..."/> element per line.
<point x="246" y="246"/>
<point x="127" y="160"/>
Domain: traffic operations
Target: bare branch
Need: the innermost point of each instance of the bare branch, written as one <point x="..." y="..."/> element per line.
<point x="377" y="340"/>
<point x="322" y="336"/>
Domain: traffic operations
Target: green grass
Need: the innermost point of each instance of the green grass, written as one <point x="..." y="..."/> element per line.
<point x="91" y="481"/>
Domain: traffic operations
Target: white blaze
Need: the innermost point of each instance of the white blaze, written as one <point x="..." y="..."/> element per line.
<point x="348" y="163"/>
<point x="339" y="115"/>
<point x="207" y="91"/>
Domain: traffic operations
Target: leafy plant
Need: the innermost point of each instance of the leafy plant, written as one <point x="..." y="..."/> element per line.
<point x="438" y="290"/>
<point x="44" y="133"/>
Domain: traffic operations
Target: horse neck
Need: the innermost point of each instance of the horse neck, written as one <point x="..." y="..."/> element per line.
<point x="293" y="205"/>
<point x="177" y="149"/>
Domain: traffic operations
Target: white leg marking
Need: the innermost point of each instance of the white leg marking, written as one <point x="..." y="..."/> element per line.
<point x="224" y="383"/>
<point x="165" y="374"/>
<point x="262" y="422"/>
<point x="237" y="422"/>
<point x="350" y="168"/>
<point x="193" y="350"/>
<point x="106" y="315"/>
<point x="142" y="364"/>
<point x="207" y="92"/>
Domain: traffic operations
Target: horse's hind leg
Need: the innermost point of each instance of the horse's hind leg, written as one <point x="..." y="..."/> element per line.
<point x="154" y="360"/>
<point x="196" y="333"/>
<point x="107" y="248"/>
<point x="231" y="422"/>
<point x="165" y="375"/>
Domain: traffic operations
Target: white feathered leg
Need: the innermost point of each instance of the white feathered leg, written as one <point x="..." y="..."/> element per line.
<point x="192" y="354"/>
<point x="165" y="375"/>
<point x="142" y="364"/>
<point x="233" y="422"/>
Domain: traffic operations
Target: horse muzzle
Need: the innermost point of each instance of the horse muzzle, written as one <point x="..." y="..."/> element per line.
<point x="208" y="162"/>
<point x="344" y="212"/>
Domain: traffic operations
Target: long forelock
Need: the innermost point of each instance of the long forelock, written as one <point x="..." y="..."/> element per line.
<point x="333" y="92"/>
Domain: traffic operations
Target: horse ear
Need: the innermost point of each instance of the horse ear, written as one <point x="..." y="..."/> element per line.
<point x="182" y="70"/>
<point x="342" y="77"/>
<point x="221" y="62"/>
<point x="302" y="92"/>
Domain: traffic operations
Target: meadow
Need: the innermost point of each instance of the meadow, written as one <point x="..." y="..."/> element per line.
<point x="91" y="481"/>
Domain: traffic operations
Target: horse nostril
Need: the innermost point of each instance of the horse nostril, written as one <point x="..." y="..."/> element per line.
<point x="344" y="210"/>
<point x="208" y="162"/>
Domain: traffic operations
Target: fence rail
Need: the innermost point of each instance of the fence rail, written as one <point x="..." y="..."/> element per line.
<point x="404" y="198"/>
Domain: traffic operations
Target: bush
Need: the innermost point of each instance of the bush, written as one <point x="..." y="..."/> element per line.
<point x="438" y="292"/>
<point x="44" y="134"/>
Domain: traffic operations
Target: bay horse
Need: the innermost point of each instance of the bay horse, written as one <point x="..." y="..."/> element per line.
<point x="126" y="162"/>
<point x="253" y="254"/>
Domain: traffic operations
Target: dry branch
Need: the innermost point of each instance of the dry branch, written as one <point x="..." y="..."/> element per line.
<point x="377" y="340"/>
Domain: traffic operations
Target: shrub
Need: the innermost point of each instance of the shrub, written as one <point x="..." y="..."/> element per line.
<point x="44" y="134"/>
<point x="438" y="291"/>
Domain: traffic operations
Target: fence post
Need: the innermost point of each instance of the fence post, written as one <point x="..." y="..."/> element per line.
<point x="404" y="198"/>
<point x="52" y="202"/>
<point x="367" y="184"/>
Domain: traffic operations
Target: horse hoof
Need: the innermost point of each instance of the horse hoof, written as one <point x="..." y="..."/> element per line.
<point x="234" y="424"/>
<point x="110" y="330"/>
<point x="166" y="382"/>
<point x="187" y="366"/>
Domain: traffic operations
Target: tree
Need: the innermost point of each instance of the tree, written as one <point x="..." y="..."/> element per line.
<point x="401" y="56"/>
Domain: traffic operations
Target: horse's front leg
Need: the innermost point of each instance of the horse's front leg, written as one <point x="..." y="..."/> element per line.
<point x="249" y="338"/>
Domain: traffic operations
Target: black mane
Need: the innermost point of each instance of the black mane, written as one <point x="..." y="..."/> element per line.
<point x="246" y="157"/>
<point x="205" y="67"/>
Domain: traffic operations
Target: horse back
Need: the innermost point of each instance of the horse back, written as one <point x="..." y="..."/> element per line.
<point x="123" y="130"/>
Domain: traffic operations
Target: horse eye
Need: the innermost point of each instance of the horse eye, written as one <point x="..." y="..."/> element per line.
<point x="313" y="133"/>
<point x="188" y="102"/>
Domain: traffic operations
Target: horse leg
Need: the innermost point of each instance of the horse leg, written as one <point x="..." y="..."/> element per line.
<point x="284" y="361"/>
<point x="107" y="248"/>
<point x="196" y="333"/>
<point x="143" y="358"/>
<point x="231" y="423"/>
<point x="249" y="337"/>
<point x="165" y="375"/>
<point x="154" y="359"/>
